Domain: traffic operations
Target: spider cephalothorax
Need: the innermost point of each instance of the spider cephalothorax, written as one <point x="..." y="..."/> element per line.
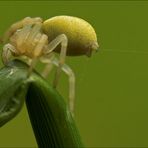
<point x="29" y="41"/>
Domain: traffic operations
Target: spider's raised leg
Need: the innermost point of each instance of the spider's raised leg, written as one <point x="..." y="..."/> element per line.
<point x="20" y="24"/>
<point x="61" y="39"/>
<point x="7" y="52"/>
<point x="71" y="75"/>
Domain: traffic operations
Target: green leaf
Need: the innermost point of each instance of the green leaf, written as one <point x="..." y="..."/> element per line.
<point x="51" y="119"/>
<point x="12" y="92"/>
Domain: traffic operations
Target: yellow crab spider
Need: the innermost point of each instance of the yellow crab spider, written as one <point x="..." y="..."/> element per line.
<point x="37" y="39"/>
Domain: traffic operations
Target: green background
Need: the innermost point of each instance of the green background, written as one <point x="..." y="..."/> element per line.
<point x="111" y="86"/>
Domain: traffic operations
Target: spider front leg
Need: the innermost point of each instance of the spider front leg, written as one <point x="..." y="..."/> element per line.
<point x="68" y="71"/>
<point x="7" y="52"/>
<point x="20" y="24"/>
<point x="61" y="39"/>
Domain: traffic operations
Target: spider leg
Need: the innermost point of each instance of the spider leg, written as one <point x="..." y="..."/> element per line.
<point x="37" y="51"/>
<point x="33" y="33"/>
<point x="47" y="70"/>
<point x="27" y="37"/>
<point x="19" y="25"/>
<point x="23" y="34"/>
<point x="7" y="52"/>
<point x="47" y="59"/>
<point x="60" y="39"/>
<point x="68" y="71"/>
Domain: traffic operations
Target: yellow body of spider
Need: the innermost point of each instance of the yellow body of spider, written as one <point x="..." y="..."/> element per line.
<point x="82" y="39"/>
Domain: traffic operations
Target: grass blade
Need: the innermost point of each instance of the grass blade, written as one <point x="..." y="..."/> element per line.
<point x="51" y="120"/>
<point x="12" y="92"/>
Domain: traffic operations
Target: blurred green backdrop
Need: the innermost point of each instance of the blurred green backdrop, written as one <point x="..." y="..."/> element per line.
<point x="111" y="86"/>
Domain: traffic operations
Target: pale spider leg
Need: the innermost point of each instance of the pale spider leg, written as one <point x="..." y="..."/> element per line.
<point x="47" y="70"/>
<point x="71" y="76"/>
<point x="37" y="51"/>
<point x="7" y="51"/>
<point x="35" y="30"/>
<point x="23" y="35"/>
<point x="27" y="36"/>
<point x="19" y="25"/>
<point x="60" y="39"/>
<point x="47" y="59"/>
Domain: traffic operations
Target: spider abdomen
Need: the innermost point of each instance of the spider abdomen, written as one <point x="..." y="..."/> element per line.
<point x="82" y="39"/>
